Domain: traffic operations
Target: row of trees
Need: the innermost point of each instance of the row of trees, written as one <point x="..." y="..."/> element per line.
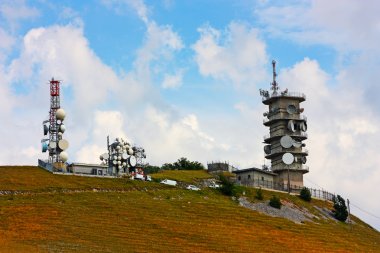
<point x="181" y="164"/>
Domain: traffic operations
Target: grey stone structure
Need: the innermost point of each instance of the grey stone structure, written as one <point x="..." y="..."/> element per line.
<point x="216" y="167"/>
<point x="287" y="129"/>
<point x="88" y="169"/>
<point x="255" y="177"/>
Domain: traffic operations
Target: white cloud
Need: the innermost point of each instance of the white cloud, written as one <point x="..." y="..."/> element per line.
<point x="236" y="55"/>
<point x="346" y="25"/>
<point x="172" y="81"/>
<point x="14" y="11"/>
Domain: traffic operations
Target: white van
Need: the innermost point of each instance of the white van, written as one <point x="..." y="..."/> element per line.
<point x="169" y="182"/>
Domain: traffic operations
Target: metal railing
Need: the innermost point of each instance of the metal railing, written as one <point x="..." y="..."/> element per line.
<point x="286" y="117"/>
<point x="316" y="193"/>
<point x="282" y="132"/>
<point x="288" y="94"/>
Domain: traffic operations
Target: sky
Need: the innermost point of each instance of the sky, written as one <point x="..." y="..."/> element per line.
<point x="182" y="79"/>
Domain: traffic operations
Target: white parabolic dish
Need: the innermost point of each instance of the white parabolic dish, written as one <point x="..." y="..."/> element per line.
<point x="132" y="161"/>
<point x="63" y="144"/>
<point x="60" y="114"/>
<point x="63" y="156"/>
<point x="286" y="141"/>
<point x="288" y="158"/>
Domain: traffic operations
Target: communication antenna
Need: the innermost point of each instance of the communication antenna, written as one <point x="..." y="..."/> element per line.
<point x="274" y="83"/>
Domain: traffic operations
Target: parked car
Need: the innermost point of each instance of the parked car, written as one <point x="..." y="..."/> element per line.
<point x="169" y="182"/>
<point x="139" y="177"/>
<point x="214" y="186"/>
<point x="148" y="178"/>
<point x="193" y="188"/>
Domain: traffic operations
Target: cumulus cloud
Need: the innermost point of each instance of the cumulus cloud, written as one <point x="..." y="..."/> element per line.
<point x="236" y="55"/>
<point x="325" y="22"/>
<point x="172" y="81"/>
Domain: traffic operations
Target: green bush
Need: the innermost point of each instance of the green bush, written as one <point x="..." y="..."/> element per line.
<point x="305" y="194"/>
<point x="229" y="188"/>
<point x="183" y="164"/>
<point x="259" y="194"/>
<point x="340" y="209"/>
<point x="275" y="202"/>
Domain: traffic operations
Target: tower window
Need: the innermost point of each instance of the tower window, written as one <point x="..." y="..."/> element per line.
<point x="249" y="176"/>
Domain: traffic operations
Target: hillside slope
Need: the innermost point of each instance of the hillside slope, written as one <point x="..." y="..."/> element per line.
<point x="43" y="212"/>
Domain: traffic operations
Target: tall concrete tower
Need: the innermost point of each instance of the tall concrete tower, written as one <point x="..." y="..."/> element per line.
<point x="287" y="127"/>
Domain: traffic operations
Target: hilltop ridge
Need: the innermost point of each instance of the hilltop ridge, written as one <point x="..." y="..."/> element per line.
<point x="43" y="212"/>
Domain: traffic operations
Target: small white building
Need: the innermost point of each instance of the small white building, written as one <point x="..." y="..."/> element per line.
<point x="255" y="177"/>
<point x="88" y="169"/>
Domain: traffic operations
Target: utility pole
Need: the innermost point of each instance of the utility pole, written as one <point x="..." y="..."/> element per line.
<point x="349" y="213"/>
<point x="288" y="180"/>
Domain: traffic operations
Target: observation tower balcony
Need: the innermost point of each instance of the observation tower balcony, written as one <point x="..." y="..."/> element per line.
<point x="299" y="136"/>
<point x="293" y="95"/>
<point x="271" y="119"/>
<point x="280" y="151"/>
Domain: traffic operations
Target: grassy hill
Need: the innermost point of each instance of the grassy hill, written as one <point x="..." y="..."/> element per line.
<point x="42" y="212"/>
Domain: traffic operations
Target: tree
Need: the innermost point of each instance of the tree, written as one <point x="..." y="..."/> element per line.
<point x="149" y="169"/>
<point x="183" y="164"/>
<point x="227" y="187"/>
<point x="340" y="208"/>
<point x="259" y="194"/>
<point x="305" y="194"/>
<point x="275" y="202"/>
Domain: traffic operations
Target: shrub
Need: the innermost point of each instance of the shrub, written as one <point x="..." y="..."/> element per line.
<point x="183" y="164"/>
<point x="275" y="202"/>
<point x="305" y="194"/>
<point x="259" y="194"/>
<point x="340" y="209"/>
<point x="229" y="188"/>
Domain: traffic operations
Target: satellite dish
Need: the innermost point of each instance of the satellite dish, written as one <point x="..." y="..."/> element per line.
<point x="124" y="164"/>
<point x="101" y="157"/>
<point x="303" y="127"/>
<point x="132" y="161"/>
<point x="52" y="145"/>
<point x="106" y="156"/>
<point x="119" y="158"/>
<point x="60" y="114"/>
<point x="63" y="156"/>
<point x="114" y="162"/>
<point x="288" y="158"/>
<point x="46" y="129"/>
<point x="291" y="109"/>
<point x="297" y="144"/>
<point x="130" y="152"/>
<point x="44" y="147"/>
<point x="291" y="126"/>
<point x="62" y="128"/>
<point x="63" y="144"/>
<point x="303" y="159"/>
<point x="267" y="149"/>
<point x="286" y="141"/>
<point x="124" y="156"/>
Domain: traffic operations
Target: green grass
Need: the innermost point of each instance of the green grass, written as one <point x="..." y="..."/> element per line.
<point x="154" y="218"/>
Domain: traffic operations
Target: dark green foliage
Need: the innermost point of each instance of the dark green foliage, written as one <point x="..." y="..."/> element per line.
<point x="229" y="188"/>
<point x="275" y="202"/>
<point x="340" y="209"/>
<point x="183" y="164"/>
<point x="150" y="169"/>
<point x="259" y="194"/>
<point x="305" y="194"/>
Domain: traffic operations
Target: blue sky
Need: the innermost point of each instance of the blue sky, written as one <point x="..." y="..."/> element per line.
<point x="181" y="78"/>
